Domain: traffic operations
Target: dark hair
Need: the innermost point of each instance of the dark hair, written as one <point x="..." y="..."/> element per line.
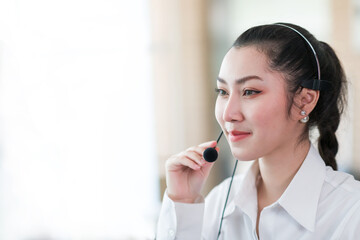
<point x="289" y="53"/>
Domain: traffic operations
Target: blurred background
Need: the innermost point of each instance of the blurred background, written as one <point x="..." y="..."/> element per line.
<point x="95" y="95"/>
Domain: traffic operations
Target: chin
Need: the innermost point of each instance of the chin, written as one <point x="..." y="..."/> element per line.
<point x="243" y="155"/>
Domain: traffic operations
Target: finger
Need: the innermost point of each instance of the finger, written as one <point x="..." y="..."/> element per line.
<point x="201" y="148"/>
<point x="197" y="150"/>
<point x="195" y="156"/>
<point x="208" y="144"/>
<point x="173" y="164"/>
<point x="190" y="163"/>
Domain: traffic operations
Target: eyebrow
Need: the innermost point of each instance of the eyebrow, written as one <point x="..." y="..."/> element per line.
<point x="241" y="80"/>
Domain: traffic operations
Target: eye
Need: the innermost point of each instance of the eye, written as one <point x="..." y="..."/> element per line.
<point x="221" y="92"/>
<point x="248" y="92"/>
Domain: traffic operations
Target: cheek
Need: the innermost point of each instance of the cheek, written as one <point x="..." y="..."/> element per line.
<point x="259" y="119"/>
<point x="269" y="116"/>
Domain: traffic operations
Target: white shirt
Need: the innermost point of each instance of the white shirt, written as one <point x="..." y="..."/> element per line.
<point x="319" y="203"/>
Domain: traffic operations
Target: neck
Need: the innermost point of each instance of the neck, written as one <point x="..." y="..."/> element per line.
<point x="278" y="170"/>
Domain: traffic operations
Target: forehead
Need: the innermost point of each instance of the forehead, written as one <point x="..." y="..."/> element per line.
<point x="244" y="61"/>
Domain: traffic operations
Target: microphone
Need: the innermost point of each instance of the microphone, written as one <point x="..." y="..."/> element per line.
<point x="210" y="154"/>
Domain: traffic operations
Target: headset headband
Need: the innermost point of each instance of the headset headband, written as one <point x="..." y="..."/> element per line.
<point x="315" y="84"/>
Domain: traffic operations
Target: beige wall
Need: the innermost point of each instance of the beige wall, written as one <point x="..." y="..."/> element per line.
<point x="343" y="14"/>
<point x="183" y="99"/>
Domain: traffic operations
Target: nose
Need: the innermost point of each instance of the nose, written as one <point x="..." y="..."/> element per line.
<point x="232" y="111"/>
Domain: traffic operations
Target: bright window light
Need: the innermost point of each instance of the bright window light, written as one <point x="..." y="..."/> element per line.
<point x="77" y="153"/>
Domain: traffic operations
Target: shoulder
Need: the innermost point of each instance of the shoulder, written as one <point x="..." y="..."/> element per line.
<point x="339" y="205"/>
<point x="342" y="181"/>
<point x="349" y="224"/>
<point x="341" y="188"/>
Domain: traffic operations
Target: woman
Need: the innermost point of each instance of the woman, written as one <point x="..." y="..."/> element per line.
<point x="275" y="84"/>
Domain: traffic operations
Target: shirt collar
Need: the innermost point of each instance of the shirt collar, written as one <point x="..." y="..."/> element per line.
<point x="300" y="199"/>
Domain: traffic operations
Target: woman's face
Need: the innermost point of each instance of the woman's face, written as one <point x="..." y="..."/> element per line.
<point x="251" y="107"/>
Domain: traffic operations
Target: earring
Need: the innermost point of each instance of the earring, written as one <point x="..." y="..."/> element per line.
<point x="306" y="118"/>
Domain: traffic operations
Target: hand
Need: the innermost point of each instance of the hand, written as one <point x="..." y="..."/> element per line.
<point x="187" y="172"/>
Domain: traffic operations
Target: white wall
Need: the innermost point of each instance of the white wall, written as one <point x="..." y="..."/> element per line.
<point x="315" y="16"/>
<point x="77" y="141"/>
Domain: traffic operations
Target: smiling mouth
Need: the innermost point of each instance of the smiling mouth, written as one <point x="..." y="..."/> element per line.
<point x="236" y="136"/>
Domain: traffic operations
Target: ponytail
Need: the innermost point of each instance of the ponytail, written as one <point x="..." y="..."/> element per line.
<point x="326" y="115"/>
<point x="327" y="143"/>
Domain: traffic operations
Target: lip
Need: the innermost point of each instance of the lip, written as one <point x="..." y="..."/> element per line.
<point x="236" y="136"/>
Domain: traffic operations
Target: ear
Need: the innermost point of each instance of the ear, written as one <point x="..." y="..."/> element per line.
<point x="305" y="100"/>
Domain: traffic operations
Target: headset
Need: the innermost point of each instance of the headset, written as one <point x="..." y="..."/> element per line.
<point x="317" y="83"/>
<point x="210" y="154"/>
